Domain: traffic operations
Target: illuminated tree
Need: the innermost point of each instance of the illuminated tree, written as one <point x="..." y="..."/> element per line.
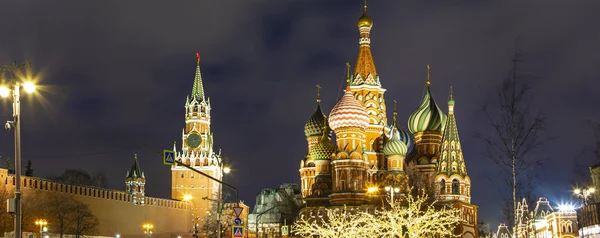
<point x="412" y="217"/>
<point x="415" y="217"/>
<point x="336" y="222"/>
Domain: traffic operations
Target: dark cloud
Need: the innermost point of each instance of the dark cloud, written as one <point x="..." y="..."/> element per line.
<point x="118" y="73"/>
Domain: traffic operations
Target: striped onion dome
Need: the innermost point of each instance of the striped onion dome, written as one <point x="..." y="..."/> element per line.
<point x="401" y="134"/>
<point x="348" y="113"/>
<point x="395" y="146"/>
<point x="428" y="117"/>
<point x="323" y="149"/>
<point x="317" y="123"/>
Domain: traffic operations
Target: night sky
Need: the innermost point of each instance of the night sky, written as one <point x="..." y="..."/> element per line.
<point x="116" y="74"/>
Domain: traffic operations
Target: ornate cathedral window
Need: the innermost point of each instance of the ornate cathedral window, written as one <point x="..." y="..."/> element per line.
<point x="455" y="187"/>
<point x="443" y="186"/>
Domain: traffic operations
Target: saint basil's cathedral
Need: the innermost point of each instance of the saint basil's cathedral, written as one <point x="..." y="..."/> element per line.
<point x="369" y="152"/>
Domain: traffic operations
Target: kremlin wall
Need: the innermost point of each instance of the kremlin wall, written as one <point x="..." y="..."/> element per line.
<point x="115" y="210"/>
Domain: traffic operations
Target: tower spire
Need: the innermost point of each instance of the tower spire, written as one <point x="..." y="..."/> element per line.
<point x="428" y="75"/>
<point x="451" y="102"/>
<point x="364" y="70"/>
<point x="198" y="88"/>
<point x="348" y="76"/>
<point x="395" y="113"/>
<point x="318" y="93"/>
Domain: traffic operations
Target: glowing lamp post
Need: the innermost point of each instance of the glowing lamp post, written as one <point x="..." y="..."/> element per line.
<point x="42" y="223"/>
<point x="392" y="191"/>
<point x="15" y="86"/>
<point x="148" y="229"/>
<point x="584" y="194"/>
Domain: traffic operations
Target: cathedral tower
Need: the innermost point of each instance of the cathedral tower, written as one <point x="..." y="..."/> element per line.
<point x="135" y="182"/>
<point x="426" y="124"/>
<point x="321" y="154"/>
<point x="314" y="129"/>
<point x="197" y="151"/>
<point x="453" y="185"/>
<point x="349" y="120"/>
<point x="366" y="88"/>
<point x="395" y="152"/>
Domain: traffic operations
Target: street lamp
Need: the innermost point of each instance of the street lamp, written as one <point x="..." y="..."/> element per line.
<point x="16" y="84"/>
<point x="372" y="190"/>
<point x="584" y="194"/>
<point x="224" y="169"/>
<point x="392" y="191"/>
<point x="190" y="199"/>
<point x="42" y="223"/>
<point x="148" y="229"/>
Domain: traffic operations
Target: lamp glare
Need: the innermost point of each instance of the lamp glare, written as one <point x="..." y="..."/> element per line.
<point x="4" y="91"/>
<point x="29" y="87"/>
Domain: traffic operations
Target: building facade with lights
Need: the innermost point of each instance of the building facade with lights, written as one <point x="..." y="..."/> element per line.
<point x="368" y="152"/>
<point x="544" y="222"/>
<point x="588" y="216"/>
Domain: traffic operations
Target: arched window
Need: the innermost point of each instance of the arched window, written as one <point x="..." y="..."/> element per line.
<point x="443" y="186"/>
<point x="455" y="186"/>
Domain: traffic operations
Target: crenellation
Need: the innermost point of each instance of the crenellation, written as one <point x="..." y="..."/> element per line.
<point x="81" y="190"/>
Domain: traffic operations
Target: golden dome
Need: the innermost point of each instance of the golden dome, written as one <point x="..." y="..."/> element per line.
<point x="365" y="20"/>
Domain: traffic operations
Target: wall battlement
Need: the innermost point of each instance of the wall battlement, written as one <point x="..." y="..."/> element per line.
<point x="90" y="191"/>
<point x="115" y="210"/>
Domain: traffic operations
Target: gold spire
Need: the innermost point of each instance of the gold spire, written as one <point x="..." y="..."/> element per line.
<point x="428" y="75"/>
<point x="348" y="76"/>
<point x="395" y="113"/>
<point x="318" y="93"/>
<point x="364" y="70"/>
<point x="364" y="20"/>
<point x="451" y="103"/>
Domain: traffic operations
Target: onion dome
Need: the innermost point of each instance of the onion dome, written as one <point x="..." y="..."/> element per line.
<point x="395" y="146"/>
<point x="365" y="20"/>
<point x="317" y="123"/>
<point x="428" y="117"/>
<point x="348" y="113"/>
<point x="323" y="149"/>
<point x="399" y="139"/>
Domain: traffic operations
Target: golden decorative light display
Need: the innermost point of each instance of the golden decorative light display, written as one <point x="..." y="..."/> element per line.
<point x="411" y="217"/>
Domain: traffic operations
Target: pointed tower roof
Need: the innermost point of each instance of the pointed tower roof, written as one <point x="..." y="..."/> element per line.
<point x="365" y="71"/>
<point x="428" y="116"/>
<point x="135" y="171"/>
<point x="198" y="88"/>
<point x="451" y="150"/>
<point x="317" y="124"/>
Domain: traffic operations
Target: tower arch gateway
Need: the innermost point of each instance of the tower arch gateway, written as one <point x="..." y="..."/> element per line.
<point x="197" y="150"/>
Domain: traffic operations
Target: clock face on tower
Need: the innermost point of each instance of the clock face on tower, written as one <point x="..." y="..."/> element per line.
<point x="193" y="140"/>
